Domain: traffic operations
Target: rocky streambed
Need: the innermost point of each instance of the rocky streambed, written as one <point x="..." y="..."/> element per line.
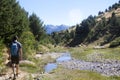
<point x="107" y="68"/>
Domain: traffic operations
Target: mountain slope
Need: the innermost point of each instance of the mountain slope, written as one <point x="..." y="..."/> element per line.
<point x="102" y="29"/>
<point x="52" y="28"/>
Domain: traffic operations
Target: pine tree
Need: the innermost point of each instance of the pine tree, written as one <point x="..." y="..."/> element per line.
<point x="36" y="26"/>
<point x="13" y="19"/>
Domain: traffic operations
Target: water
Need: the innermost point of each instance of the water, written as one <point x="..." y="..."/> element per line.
<point x="64" y="57"/>
<point x="51" y="66"/>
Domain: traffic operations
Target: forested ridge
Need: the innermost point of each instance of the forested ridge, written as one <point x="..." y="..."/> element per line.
<point x="102" y="29"/>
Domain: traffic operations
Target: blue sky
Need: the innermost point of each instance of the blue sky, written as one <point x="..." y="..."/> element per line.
<point x="67" y="12"/>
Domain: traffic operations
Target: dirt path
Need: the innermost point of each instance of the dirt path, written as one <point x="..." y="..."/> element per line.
<point x="9" y="75"/>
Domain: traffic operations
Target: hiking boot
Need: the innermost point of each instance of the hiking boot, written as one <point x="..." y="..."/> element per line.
<point x="14" y="78"/>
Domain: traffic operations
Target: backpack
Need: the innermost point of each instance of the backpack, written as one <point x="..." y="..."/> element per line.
<point x="14" y="49"/>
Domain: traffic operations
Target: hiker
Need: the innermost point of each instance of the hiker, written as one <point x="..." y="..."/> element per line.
<point x="15" y="54"/>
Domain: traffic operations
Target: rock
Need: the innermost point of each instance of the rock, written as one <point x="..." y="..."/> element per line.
<point x="38" y="56"/>
<point x="27" y="62"/>
<point x="99" y="47"/>
<point x="108" y="68"/>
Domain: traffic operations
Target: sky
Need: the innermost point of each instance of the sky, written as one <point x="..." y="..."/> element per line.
<point x="67" y="12"/>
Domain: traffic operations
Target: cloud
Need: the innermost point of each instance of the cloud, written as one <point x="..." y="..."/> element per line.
<point x="75" y="16"/>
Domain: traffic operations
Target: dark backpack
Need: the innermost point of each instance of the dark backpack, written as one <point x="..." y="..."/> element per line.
<point x="14" y="49"/>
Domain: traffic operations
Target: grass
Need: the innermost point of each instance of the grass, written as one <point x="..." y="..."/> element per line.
<point x="30" y="68"/>
<point x="40" y="62"/>
<point x="80" y="52"/>
<point x="111" y="53"/>
<point x="51" y="48"/>
<point x="107" y="53"/>
<point x="3" y="58"/>
<point x="38" y="67"/>
<point x="58" y="49"/>
<point x="66" y="74"/>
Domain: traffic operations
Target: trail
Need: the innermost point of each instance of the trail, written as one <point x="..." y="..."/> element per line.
<point x="9" y="75"/>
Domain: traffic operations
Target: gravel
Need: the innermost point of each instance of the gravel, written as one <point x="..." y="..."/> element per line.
<point x="107" y="68"/>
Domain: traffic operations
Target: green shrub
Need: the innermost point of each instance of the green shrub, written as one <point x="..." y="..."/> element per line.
<point x="28" y="44"/>
<point x="2" y="66"/>
<point x="115" y="42"/>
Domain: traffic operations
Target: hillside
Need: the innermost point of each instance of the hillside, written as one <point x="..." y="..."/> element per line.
<point x="98" y="30"/>
<point x="106" y="28"/>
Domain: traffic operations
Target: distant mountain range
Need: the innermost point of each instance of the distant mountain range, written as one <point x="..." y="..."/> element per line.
<point x="53" y="28"/>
